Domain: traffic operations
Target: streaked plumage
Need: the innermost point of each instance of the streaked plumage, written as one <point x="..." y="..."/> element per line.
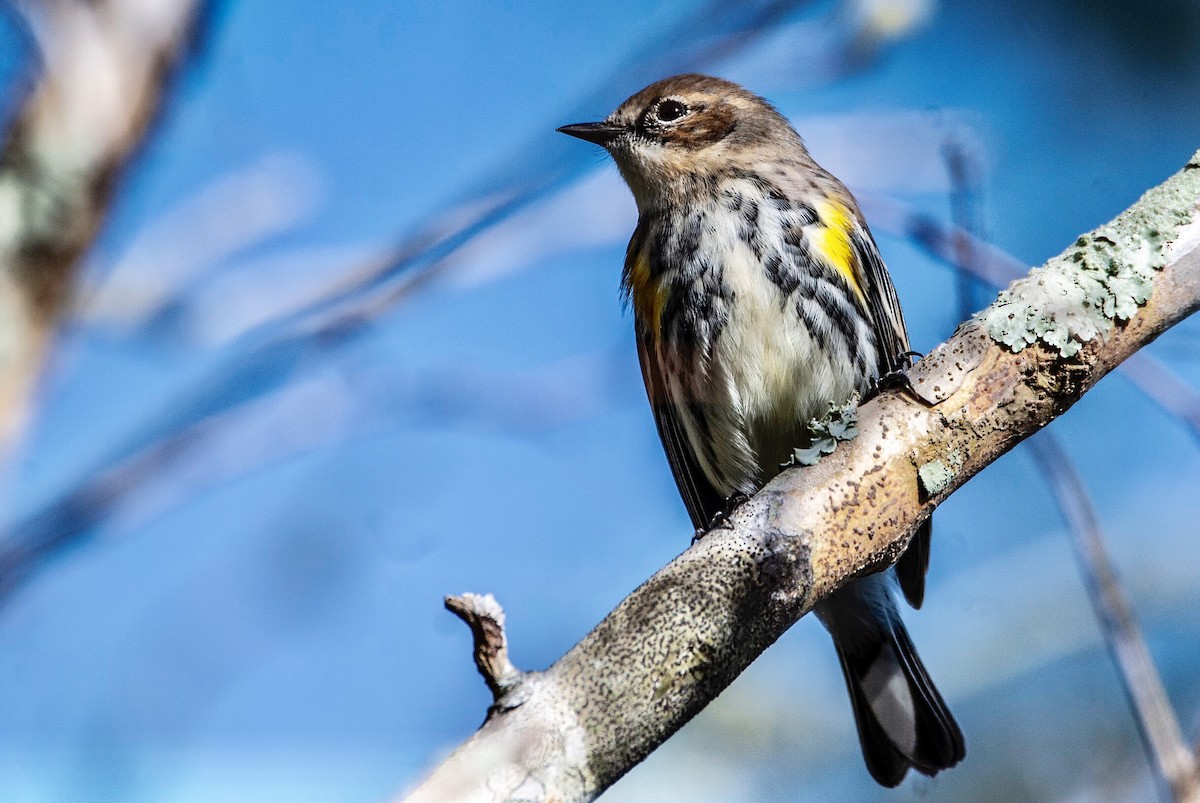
<point x="759" y="297"/>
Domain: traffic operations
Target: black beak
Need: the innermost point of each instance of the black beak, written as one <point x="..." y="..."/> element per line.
<point x="599" y="133"/>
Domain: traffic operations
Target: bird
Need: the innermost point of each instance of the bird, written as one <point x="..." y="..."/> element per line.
<point x="759" y="298"/>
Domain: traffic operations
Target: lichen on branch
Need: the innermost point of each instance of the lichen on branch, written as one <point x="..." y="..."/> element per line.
<point x="1100" y="280"/>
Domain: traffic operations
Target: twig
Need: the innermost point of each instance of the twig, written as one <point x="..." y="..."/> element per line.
<point x="485" y="617"/>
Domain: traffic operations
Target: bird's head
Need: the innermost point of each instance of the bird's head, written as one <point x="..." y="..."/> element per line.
<point x="676" y="135"/>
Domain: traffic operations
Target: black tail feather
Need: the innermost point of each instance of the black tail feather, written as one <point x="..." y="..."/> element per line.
<point x="911" y="568"/>
<point x="940" y="743"/>
<point x="887" y="765"/>
<point x="914" y="729"/>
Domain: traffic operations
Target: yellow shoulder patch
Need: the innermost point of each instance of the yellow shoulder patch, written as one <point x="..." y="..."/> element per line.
<point x="649" y="295"/>
<point x="832" y="243"/>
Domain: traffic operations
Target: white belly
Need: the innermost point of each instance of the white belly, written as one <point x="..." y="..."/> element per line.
<point x="774" y="373"/>
<point x="775" y="350"/>
<point x="766" y="368"/>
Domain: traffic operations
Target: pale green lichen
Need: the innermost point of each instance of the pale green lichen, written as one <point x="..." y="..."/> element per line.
<point x="840" y="423"/>
<point x="937" y="474"/>
<point x="1104" y="277"/>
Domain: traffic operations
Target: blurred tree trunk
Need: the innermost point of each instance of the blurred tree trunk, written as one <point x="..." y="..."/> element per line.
<point x="104" y="67"/>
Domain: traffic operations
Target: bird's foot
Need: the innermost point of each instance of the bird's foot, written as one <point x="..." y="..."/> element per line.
<point x="721" y="518"/>
<point x="895" y="380"/>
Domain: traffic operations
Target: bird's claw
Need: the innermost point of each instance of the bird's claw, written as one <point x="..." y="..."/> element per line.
<point x="897" y="379"/>
<point x="720" y="519"/>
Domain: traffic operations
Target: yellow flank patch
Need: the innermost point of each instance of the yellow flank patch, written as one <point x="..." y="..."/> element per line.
<point x="832" y="242"/>
<point x="649" y="296"/>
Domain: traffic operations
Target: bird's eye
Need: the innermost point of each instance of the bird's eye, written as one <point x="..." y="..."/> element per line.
<point x="670" y="110"/>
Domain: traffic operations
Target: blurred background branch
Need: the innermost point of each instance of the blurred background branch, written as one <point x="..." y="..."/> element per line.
<point x="104" y="66"/>
<point x="1176" y="768"/>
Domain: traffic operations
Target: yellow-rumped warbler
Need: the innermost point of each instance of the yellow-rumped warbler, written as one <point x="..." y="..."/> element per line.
<point x="759" y="298"/>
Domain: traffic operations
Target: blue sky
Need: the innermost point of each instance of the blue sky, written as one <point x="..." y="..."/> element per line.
<point x="259" y="618"/>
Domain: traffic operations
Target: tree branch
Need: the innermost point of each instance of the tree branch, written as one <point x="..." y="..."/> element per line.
<point x="670" y="647"/>
<point x="105" y="65"/>
<point x="968" y="253"/>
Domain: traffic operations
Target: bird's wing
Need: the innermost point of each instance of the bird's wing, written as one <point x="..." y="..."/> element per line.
<point x="703" y="501"/>
<point x="883" y="306"/>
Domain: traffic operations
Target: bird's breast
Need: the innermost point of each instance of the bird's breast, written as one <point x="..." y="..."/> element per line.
<point x="735" y="333"/>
